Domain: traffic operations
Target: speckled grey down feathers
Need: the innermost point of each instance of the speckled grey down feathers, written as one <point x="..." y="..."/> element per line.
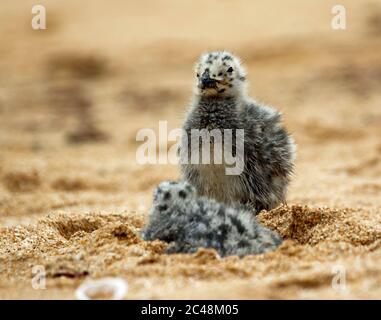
<point x="189" y="222"/>
<point x="268" y="148"/>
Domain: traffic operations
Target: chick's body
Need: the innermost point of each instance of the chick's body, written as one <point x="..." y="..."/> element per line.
<point x="189" y="222"/>
<point x="268" y="150"/>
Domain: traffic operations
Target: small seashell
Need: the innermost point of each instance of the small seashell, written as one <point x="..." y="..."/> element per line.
<point x="102" y="289"/>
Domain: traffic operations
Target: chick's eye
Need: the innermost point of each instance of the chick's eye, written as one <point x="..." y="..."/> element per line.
<point x="220" y="74"/>
<point x="230" y="70"/>
<point x="198" y="75"/>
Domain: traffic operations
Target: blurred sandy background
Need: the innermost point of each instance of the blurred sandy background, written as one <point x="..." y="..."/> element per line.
<point x="72" y="98"/>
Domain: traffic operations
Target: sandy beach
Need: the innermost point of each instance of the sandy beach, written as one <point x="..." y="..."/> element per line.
<point x="73" y="198"/>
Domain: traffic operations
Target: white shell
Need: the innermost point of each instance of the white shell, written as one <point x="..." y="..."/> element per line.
<point x="106" y="289"/>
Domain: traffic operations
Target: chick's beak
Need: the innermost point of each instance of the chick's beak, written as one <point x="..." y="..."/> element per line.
<point x="207" y="82"/>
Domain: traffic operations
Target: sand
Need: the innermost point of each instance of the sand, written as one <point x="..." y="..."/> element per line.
<point x="73" y="198"/>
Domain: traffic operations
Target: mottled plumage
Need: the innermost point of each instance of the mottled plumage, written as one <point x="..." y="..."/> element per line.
<point x="221" y="102"/>
<point x="189" y="222"/>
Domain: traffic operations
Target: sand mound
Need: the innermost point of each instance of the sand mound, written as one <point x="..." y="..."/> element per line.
<point x="313" y="225"/>
<point x="62" y="230"/>
<point x="73" y="247"/>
